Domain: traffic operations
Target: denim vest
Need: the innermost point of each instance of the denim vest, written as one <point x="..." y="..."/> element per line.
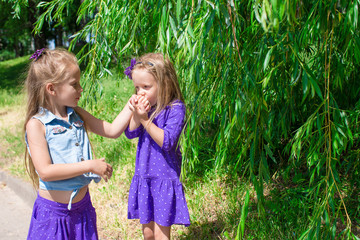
<point x="67" y="143"/>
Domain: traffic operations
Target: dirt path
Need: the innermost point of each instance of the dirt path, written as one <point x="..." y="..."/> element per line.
<point x="16" y="196"/>
<point x="15" y="215"/>
<point x="10" y="118"/>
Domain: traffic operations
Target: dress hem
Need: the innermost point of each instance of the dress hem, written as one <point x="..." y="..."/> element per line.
<point x="164" y="225"/>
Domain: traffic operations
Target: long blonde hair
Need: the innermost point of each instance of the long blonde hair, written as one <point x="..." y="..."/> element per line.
<point x="164" y="73"/>
<point x="52" y="66"/>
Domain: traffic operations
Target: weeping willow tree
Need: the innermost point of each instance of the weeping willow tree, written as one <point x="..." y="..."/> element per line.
<point x="271" y="87"/>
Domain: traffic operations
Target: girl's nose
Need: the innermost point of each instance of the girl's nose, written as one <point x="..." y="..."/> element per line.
<point x="141" y="92"/>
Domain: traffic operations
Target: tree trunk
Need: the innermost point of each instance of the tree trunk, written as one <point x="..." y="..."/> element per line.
<point x="39" y="40"/>
<point x="59" y="37"/>
<point x="16" y="48"/>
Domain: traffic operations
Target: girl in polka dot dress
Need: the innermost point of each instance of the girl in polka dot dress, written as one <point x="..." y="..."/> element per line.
<point x="156" y="195"/>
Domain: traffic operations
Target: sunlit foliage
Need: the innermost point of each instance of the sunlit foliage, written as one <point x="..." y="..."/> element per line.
<point x="271" y="87"/>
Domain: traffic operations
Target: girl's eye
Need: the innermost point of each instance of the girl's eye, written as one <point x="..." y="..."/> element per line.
<point x="76" y="85"/>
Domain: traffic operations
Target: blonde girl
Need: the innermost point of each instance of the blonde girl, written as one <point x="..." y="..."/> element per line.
<point x="59" y="154"/>
<point x="156" y="195"/>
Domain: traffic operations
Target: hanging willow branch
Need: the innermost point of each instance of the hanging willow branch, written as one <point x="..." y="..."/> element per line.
<point x="258" y="105"/>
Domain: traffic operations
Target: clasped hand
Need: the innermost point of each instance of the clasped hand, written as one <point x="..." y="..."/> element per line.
<point x="139" y="105"/>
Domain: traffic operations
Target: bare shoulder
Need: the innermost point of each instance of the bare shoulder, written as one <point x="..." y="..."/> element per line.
<point x="33" y="122"/>
<point x="34" y="125"/>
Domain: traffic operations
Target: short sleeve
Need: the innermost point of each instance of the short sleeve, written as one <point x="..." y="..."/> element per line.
<point x="173" y="125"/>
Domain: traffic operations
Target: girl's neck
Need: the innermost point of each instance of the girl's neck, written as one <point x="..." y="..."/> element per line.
<point x="62" y="115"/>
<point x="59" y="111"/>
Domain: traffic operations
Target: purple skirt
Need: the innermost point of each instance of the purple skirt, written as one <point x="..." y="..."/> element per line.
<point x="158" y="200"/>
<point x="52" y="220"/>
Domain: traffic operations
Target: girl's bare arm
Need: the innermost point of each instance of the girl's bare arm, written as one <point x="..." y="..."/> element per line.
<point x="51" y="172"/>
<point x="104" y="128"/>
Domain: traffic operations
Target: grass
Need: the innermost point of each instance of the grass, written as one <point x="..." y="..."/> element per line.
<point x="11" y="114"/>
<point x="214" y="198"/>
<point x="12" y="77"/>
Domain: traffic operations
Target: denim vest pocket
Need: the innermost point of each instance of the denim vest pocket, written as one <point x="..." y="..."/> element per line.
<point x="58" y="130"/>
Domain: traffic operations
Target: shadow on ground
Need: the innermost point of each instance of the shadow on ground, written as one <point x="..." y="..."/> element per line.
<point x="12" y="73"/>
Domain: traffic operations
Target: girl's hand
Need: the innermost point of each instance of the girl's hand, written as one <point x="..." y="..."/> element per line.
<point x="101" y="168"/>
<point x="133" y="101"/>
<point x="136" y="101"/>
<point x="143" y="103"/>
<point x="142" y="107"/>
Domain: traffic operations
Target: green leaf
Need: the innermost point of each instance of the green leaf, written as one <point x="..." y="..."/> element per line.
<point x="173" y="26"/>
<point x="190" y="31"/>
<point x="209" y="22"/>
<point x="270" y="153"/>
<point x="178" y="10"/>
<point x="267" y="58"/>
<point x="244" y="212"/>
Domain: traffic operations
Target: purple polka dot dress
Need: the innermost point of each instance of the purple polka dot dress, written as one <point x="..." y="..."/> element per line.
<point x="156" y="193"/>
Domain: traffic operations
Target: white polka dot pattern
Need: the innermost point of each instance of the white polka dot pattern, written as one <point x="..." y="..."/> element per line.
<point x="156" y="193"/>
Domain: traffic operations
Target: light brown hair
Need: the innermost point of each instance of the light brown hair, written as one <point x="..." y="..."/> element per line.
<point x="164" y="73"/>
<point x="52" y="66"/>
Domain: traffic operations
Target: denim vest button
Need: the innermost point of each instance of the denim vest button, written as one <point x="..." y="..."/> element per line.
<point x="82" y="159"/>
<point x="68" y="142"/>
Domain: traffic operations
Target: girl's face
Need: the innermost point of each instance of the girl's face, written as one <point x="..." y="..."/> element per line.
<point x="69" y="92"/>
<point x="145" y="85"/>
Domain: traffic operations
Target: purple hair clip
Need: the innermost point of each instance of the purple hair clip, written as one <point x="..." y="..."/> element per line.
<point x="130" y="68"/>
<point x="37" y="54"/>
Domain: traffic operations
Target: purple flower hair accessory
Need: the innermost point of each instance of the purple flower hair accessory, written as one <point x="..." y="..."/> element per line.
<point x="37" y="54"/>
<point x="130" y="68"/>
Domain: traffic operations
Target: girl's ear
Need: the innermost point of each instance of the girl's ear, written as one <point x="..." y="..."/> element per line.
<point x="50" y="89"/>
